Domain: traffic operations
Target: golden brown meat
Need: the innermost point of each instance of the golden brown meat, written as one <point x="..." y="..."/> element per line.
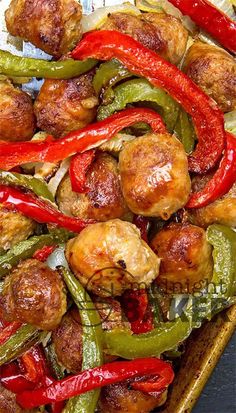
<point x="17" y="122"/>
<point x="214" y="71"/>
<point x="154" y="175"/>
<point x="103" y="201"/>
<point x="67" y="340"/>
<point x="109" y="257"/>
<point x="65" y="105"/>
<point x="51" y="25"/>
<point x="8" y="402"/>
<point x="110" y="313"/>
<point x="119" y="398"/>
<point x="34" y="294"/>
<point x="158" y="31"/>
<point x="222" y="211"/>
<point x="14" y="227"/>
<point x="186" y="257"/>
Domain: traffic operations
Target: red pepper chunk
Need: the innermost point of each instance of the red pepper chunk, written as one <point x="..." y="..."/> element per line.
<point x="143" y="224"/>
<point x="137" y="310"/>
<point x="39" y="210"/>
<point x="17" y="153"/>
<point x="222" y="181"/>
<point x="98" y="377"/>
<point x="207" y="117"/>
<point x="211" y="19"/>
<point x="78" y="168"/>
<point x="43" y="254"/>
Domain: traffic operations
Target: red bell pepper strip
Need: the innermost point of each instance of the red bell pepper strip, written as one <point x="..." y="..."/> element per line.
<point x="8" y="331"/>
<point x="207" y="117"/>
<point x="78" y="167"/>
<point x="39" y="210"/>
<point x="137" y="310"/>
<point x="13" y="379"/>
<point x="143" y="224"/>
<point x="211" y="19"/>
<point x="17" y="153"/>
<point x="43" y="254"/>
<point x="34" y="364"/>
<point x="94" y="378"/>
<point x="222" y="180"/>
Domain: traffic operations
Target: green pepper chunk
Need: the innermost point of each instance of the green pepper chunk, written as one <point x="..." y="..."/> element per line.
<point x="53" y="362"/>
<point x="223" y="240"/>
<point x="20" y="342"/>
<point x="185" y="131"/>
<point x="106" y="77"/>
<point x="163" y="338"/>
<point x="11" y="65"/>
<point x="25" y="249"/>
<point x="140" y="90"/>
<point x="92" y="345"/>
<point x="26" y="181"/>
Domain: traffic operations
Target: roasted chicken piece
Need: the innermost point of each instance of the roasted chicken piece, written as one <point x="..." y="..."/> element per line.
<point x="186" y="257"/>
<point x="222" y="211"/>
<point x="103" y="201"/>
<point x="154" y="175"/>
<point x="214" y="71"/>
<point x="33" y="294"/>
<point x="65" y="105"/>
<point x="67" y="340"/>
<point x="110" y="257"/>
<point x="120" y="398"/>
<point x="14" y="227"/>
<point x="51" y="25"/>
<point x="17" y="122"/>
<point x="160" y="32"/>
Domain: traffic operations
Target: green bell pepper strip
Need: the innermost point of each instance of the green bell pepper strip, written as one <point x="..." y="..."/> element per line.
<point x="57" y="370"/>
<point x="26" y="181"/>
<point x="185" y="131"/>
<point x="24" y="338"/>
<point x="92" y="345"/>
<point x="106" y="77"/>
<point x="26" y="249"/>
<point x="140" y="90"/>
<point x="223" y="240"/>
<point x="11" y="65"/>
<point x="163" y="338"/>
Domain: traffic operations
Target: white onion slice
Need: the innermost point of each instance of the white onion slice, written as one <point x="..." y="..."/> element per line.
<point x="57" y="258"/>
<point x="230" y="121"/>
<point x="96" y="19"/>
<point x="59" y="175"/>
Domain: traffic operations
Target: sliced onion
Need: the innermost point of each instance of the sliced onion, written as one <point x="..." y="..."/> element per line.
<point x="57" y="258"/>
<point x="96" y="19"/>
<point x="160" y="6"/>
<point x="230" y="121"/>
<point x="116" y="144"/>
<point x="59" y="175"/>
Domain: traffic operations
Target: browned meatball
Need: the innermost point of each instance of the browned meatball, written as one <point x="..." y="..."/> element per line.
<point x="103" y="201"/>
<point x="51" y="25"/>
<point x="65" y="105"/>
<point x="110" y="257"/>
<point x="214" y="70"/>
<point x="222" y="211"/>
<point x="14" y="227"/>
<point x="186" y="257"/>
<point x="17" y="122"/>
<point x="67" y="340"/>
<point x="34" y="294"/>
<point x="158" y="31"/>
<point x="154" y="175"/>
<point x="119" y="398"/>
<point x="8" y="402"/>
<point x="110" y="313"/>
